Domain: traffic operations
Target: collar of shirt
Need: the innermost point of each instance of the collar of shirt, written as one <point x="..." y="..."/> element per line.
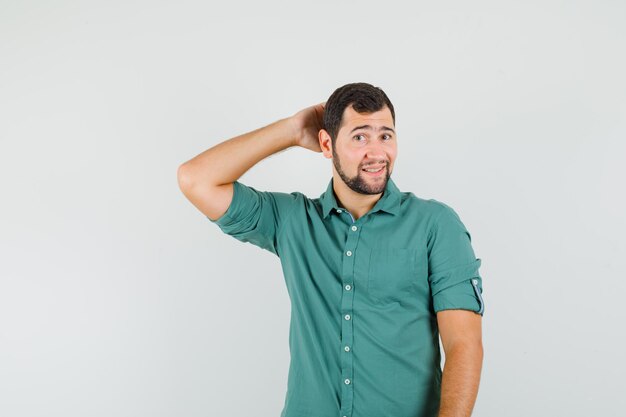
<point x="388" y="202"/>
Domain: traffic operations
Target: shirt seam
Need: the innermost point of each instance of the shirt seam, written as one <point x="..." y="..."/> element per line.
<point x="435" y="226"/>
<point x="282" y="229"/>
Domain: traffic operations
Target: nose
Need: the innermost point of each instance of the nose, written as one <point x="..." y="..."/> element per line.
<point x="375" y="154"/>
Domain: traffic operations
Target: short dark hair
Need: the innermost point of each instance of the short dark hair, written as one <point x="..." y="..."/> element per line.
<point x="364" y="98"/>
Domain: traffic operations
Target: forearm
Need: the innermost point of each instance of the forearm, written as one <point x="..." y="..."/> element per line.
<point x="229" y="160"/>
<point x="461" y="377"/>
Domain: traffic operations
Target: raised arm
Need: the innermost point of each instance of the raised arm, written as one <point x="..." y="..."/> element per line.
<point x="207" y="179"/>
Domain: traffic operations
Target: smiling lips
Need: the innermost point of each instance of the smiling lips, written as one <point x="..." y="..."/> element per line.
<point x="376" y="170"/>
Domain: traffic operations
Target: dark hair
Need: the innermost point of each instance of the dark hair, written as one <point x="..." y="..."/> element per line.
<point x="364" y="98"/>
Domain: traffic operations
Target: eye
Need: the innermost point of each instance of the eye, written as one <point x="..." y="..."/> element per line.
<point x="388" y="136"/>
<point x="356" y="136"/>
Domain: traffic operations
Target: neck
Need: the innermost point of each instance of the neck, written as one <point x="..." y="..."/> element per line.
<point x="356" y="203"/>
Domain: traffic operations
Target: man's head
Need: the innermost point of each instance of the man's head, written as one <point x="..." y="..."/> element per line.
<point x="359" y="133"/>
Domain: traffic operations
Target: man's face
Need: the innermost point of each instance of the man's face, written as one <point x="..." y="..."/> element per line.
<point x="365" y="140"/>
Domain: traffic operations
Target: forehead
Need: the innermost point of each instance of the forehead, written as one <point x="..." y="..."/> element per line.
<point x="352" y="118"/>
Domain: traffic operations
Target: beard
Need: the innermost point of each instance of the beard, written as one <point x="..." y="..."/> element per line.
<point x="360" y="182"/>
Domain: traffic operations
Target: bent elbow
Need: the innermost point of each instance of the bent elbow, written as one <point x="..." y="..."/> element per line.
<point x="184" y="177"/>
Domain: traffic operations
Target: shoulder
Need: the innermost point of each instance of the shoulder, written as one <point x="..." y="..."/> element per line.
<point x="437" y="215"/>
<point x="429" y="207"/>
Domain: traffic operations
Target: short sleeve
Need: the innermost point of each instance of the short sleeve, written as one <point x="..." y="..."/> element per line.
<point x="256" y="216"/>
<point x="453" y="275"/>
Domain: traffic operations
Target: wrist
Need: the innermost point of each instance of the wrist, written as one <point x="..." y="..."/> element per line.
<point x="294" y="131"/>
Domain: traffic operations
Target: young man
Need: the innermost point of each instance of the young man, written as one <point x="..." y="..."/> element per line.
<point x="374" y="274"/>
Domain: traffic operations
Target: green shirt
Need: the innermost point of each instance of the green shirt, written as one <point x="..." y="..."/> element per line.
<point x="363" y="335"/>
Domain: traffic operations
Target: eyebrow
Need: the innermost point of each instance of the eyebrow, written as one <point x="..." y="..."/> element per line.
<point x="370" y="128"/>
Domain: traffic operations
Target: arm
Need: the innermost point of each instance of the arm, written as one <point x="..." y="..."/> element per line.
<point x="460" y="332"/>
<point x="207" y="179"/>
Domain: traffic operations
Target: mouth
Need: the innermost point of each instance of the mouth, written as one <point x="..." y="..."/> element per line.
<point x="375" y="171"/>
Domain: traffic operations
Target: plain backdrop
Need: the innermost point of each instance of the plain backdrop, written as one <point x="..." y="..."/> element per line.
<point x="119" y="298"/>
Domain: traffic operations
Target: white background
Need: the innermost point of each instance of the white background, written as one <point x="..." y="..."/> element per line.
<point x="119" y="298"/>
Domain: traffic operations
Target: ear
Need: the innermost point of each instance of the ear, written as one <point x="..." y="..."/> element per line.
<point x="325" y="143"/>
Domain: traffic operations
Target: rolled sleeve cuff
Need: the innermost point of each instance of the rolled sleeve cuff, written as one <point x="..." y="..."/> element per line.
<point x="458" y="288"/>
<point x="243" y="202"/>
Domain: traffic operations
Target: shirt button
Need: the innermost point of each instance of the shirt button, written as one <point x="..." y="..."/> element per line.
<point x="475" y="281"/>
<point x="339" y="211"/>
<point x="349" y="253"/>
<point x="347" y="381"/>
<point x="354" y="228"/>
<point x="347" y="287"/>
<point x="347" y="348"/>
<point x="347" y="317"/>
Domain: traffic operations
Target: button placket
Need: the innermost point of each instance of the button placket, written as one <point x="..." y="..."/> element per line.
<point x="347" y="302"/>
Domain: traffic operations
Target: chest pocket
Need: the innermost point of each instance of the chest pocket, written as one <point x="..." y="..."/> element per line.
<point x="392" y="273"/>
